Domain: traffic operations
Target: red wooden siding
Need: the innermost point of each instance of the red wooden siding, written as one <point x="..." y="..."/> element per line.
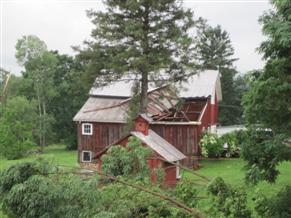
<point x="103" y="135"/>
<point x="183" y="137"/>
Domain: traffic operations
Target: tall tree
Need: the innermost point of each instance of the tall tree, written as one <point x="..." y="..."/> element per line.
<point x="71" y="92"/>
<point x="40" y="66"/>
<point x="213" y="48"/>
<point x="214" y="51"/>
<point x="142" y="39"/>
<point x="268" y="103"/>
<point x="17" y="125"/>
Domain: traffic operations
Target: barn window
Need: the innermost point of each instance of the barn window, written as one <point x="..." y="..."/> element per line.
<point x="86" y="156"/>
<point x="87" y="129"/>
<point x="178" y="171"/>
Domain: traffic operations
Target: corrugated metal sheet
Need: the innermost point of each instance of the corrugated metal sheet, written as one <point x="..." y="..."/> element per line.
<point x="160" y="145"/>
<point x="108" y="110"/>
<point x="203" y="84"/>
<point x="114" y="110"/>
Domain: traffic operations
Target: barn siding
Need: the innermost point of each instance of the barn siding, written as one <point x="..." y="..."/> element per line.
<point x="183" y="137"/>
<point x="103" y="135"/>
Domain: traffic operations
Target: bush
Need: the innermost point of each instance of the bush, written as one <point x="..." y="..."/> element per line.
<point x="211" y="145"/>
<point x="127" y="161"/>
<point x="263" y="152"/>
<point x="227" y="201"/>
<point x="277" y="206"/>
<point x="186" y="192"/>
<point x="38" y="189"/>
<point x="17" y="124"/>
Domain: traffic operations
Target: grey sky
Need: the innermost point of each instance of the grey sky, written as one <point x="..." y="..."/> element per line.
<point x="63" y="23"/>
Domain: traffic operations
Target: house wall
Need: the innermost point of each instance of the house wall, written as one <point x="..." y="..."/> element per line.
<point x="103" y="135"/>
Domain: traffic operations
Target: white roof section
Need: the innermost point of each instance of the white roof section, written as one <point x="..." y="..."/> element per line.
<point x="160" y="146"/>
<point x="107" y="110"/>
<point x="204" y="84"/>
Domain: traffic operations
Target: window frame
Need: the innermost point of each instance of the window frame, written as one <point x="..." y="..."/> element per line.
<point x="83" y="129"/>
<point x="86" y="161"/>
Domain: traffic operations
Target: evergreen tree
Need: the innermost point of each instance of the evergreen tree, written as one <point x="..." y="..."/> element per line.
<point x="214" y="51"/>
<point x="141" y="39"/>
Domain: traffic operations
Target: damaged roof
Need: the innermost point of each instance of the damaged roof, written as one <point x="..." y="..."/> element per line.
<point x="203" y="84"/>
<point x="160" y="146"/>
<point x="114" y="109"/>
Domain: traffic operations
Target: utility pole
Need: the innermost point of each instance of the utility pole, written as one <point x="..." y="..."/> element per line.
<point x="6" y="76"/>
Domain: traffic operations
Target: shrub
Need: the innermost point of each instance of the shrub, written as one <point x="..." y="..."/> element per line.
<point x="276" y="206"/>
<point x="227" y="201"/>
<point x="263" y="152"/>
<point x="211" y="145"/>
<point x="17" y="123"/>
<point x="186" y="192"/>
<point x="127" y="161"/>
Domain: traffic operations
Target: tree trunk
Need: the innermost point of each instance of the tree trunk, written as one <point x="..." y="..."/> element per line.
<point x="44" y="124"/>
<point x="143" y="94"/>
<point x="144" y="68"/>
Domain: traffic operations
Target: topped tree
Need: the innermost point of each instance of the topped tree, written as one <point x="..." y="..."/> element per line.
<point x="140" y="39"/>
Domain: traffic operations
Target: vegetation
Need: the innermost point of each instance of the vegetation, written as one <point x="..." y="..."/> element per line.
<point x="118" y="161"/>
<point x="267" y="104"/>
<point x="140" y="40"/>
<point x="17" y="125"/>
<point x="211" y="145"/>
<point x="214" y="50"/>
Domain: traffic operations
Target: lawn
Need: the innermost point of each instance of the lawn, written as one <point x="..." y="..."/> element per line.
<point x="56" y="153"/>
<point x="231" y="170"/>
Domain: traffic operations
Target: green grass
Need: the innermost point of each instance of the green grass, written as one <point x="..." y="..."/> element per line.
<point x="56" y="153"/>
<point x="231" y="170"/>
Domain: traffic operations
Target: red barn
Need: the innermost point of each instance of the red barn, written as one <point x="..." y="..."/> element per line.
<point x="178" y="117"/>
<point x="164" y="155"/>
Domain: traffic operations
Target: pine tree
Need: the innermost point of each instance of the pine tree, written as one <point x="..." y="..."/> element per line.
<point x="214" y="51"/>
<point x="140" y="38"/>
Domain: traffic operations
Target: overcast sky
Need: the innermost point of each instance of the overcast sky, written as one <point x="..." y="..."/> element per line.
<point x="62" y="24"/>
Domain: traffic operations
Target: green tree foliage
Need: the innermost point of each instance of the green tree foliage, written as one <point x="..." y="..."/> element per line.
<point x="263" y="152"/>
<point x="214" y="51"/>
<point x="17" y="125"/>
<point x="268" y="103"/>
<point x="186" y="192"/>
<point x="127" y="161"/>
<point x="39" y="189"/>
<point x="71" y="92"/>
<point x="29" y="47"/>
<point x="56" y="83"/>
<point x="140" y="39"/>
<point x="227" y="201"/>
<point x="276" y="206"/>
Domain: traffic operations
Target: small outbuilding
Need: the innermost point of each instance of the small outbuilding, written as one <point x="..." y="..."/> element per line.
<point x="164" y="155"/>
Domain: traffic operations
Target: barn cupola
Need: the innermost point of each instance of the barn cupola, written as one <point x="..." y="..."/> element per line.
<point x="142" y="123"/>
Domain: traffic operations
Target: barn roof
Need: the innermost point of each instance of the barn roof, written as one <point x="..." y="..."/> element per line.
<point x="203" y="84"/>
<point x="109" y="109"/>
<point x="160" y="146"/>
